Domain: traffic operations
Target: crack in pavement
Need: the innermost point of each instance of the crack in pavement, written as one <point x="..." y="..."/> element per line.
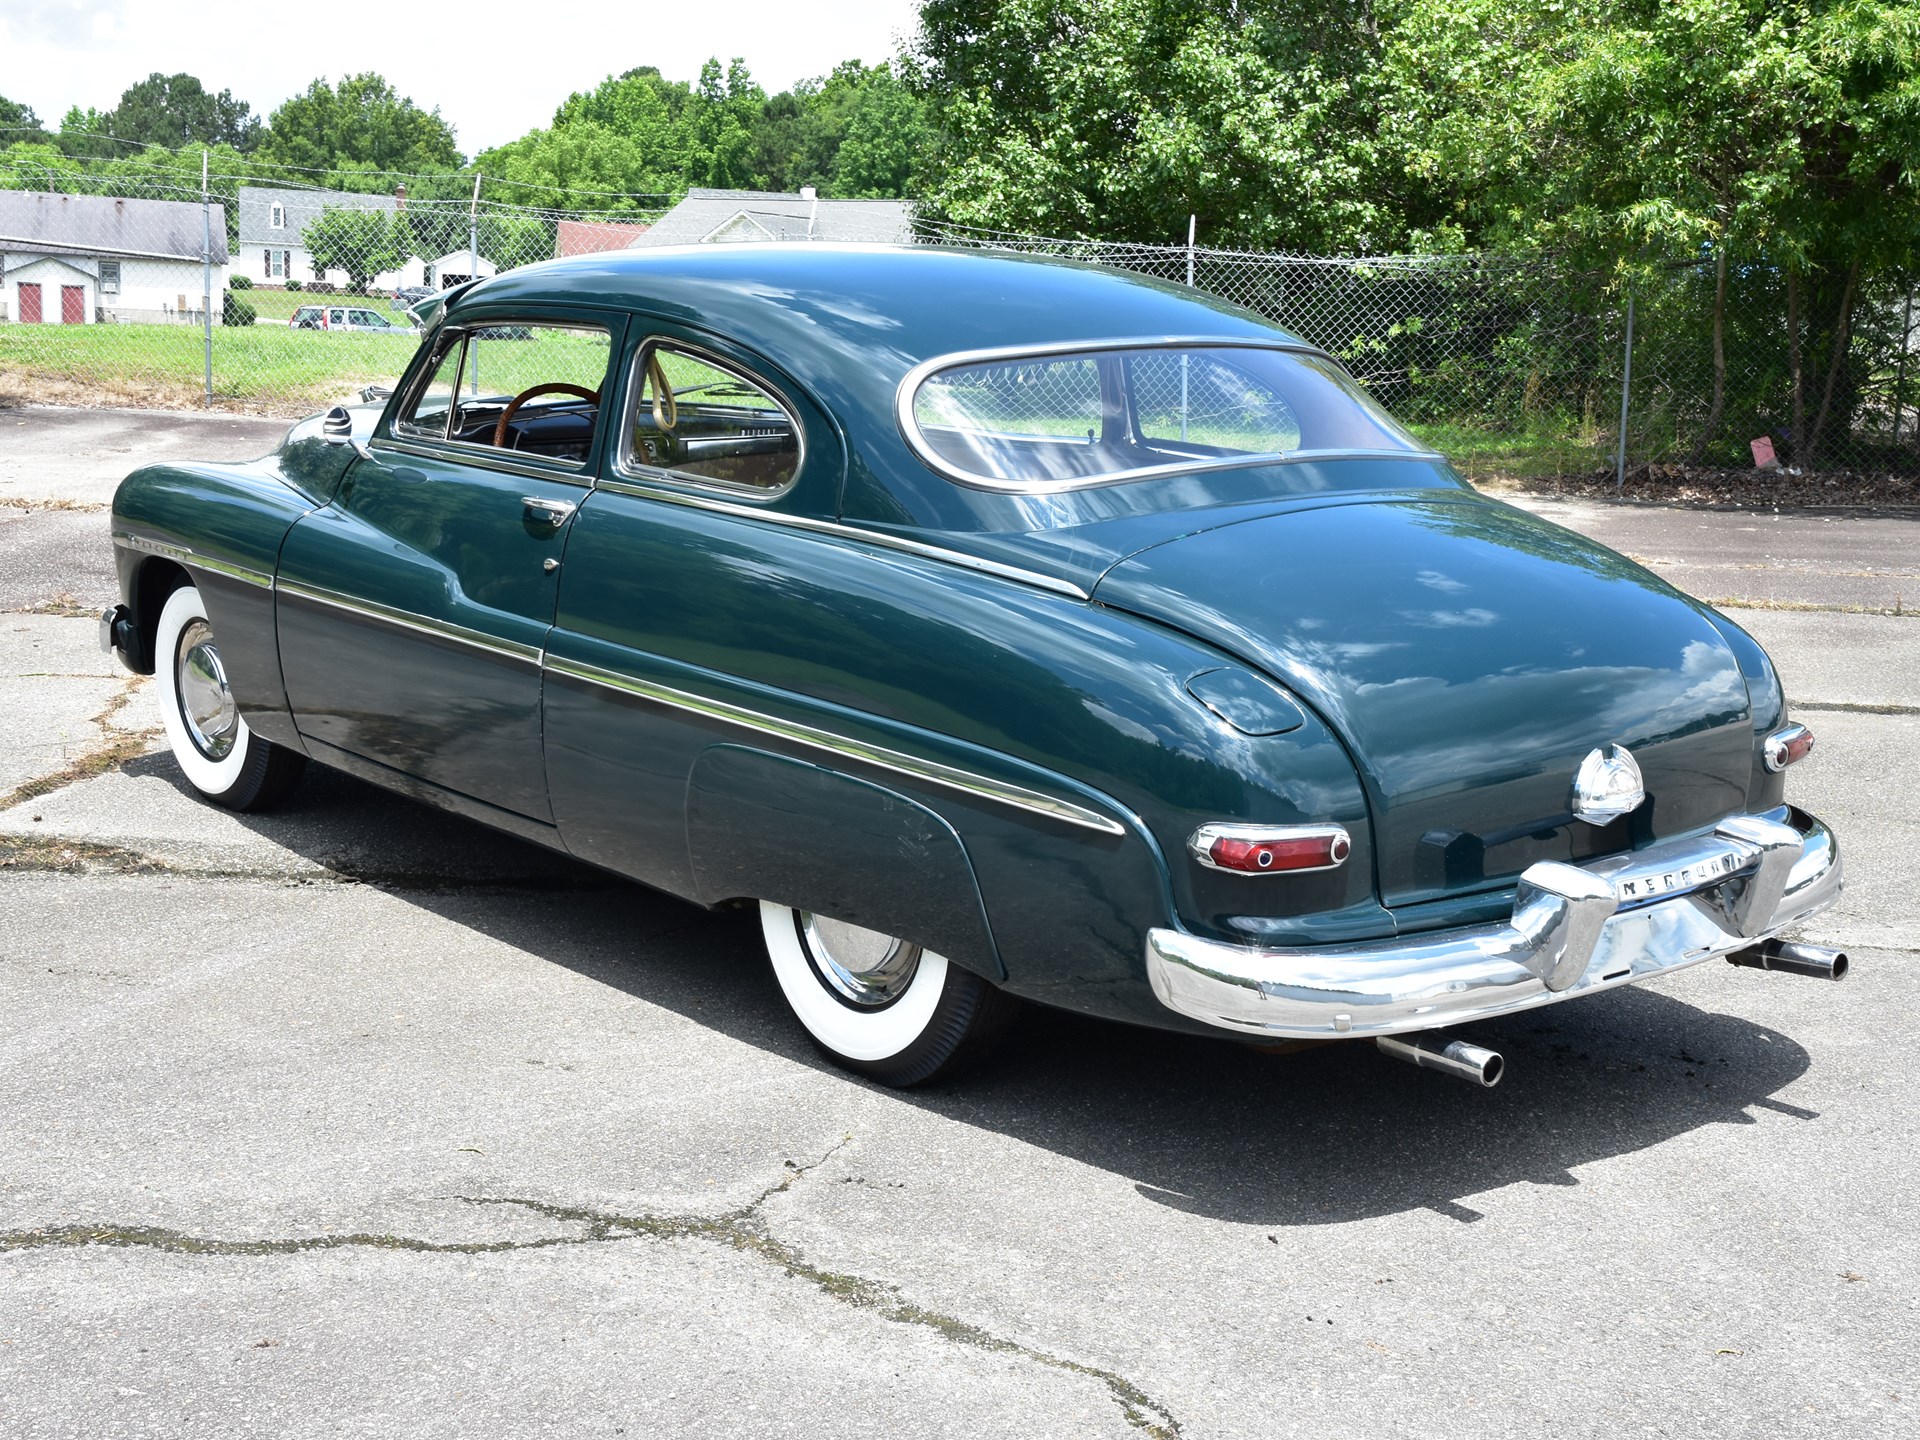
<point x="1841" y="707"/>
<point x="118" y="748"/>
<point x="743" y="1229"/>
<point x="1897" y="610"/>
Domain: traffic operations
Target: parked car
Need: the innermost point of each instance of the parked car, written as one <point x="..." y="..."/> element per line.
<point x="344" y="317"/>
<point x="407" y="296"/>
<point x="999" y="628"/>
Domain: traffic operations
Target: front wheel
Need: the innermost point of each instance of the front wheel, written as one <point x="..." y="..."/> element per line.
<point x="878" y="1005"/>
<point x="220" y="756"/>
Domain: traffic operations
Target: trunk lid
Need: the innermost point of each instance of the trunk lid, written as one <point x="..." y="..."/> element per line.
<point x="1470" y="655"/>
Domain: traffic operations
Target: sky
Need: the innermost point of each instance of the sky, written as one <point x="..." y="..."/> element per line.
<point x="495" y="70"/>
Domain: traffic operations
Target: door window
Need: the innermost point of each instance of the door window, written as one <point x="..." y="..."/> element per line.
<point x="698" y="419"/>
<point x="529" y="387"/>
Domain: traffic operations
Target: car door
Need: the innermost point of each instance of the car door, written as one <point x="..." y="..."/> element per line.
<point x="413" y="610"/>
<point x="708" y="428"/>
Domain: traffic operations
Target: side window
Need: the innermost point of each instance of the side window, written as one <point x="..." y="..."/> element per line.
<point x="696" y="418"/>
<point x="336" y="318"/>
<point x="426" y="417"/>
<point x="532" y="388"/>
<point x="1208" y="404"/>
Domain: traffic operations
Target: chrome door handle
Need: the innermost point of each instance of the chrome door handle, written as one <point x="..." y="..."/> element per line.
<point x="536" y="511"/>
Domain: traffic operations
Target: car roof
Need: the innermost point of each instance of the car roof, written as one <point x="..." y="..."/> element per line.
<point x="894" y="305"/>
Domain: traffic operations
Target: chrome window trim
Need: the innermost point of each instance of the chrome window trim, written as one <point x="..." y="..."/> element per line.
<point x="194" y="560"/>
<point x="933" y="772"/>
<point x="624" y="462"/>
<point x="851" y="532"/>
<point x="410" y="620"/>
<point x="1200" y="845"/>
<point x="910" y="431"/>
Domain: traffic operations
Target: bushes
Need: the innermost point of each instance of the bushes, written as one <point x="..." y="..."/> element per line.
<point x="235" y="311"/>
<point x="240" y="282"/>
<point x="292" y="284"/>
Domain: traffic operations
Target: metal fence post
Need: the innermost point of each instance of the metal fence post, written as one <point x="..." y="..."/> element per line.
<point x="473" y="265"/>
<point x="1191" y="221"/>
<point x="206" y="277"/>
<point x="1626" y="391"/>
<point x="1900" y="371"/>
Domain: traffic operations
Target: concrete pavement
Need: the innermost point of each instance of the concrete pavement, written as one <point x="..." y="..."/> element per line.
<point x="357" y="1119"/>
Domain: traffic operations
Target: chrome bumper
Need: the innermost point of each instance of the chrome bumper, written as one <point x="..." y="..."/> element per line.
<point x="1574" y="929"/>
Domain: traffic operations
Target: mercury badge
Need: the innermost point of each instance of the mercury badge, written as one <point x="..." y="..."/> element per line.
<point x="1607" y="785"/>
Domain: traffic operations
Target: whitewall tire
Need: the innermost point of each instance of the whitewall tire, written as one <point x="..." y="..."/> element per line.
<point x="216" y="750"/>
<point x="881" y="1006"/>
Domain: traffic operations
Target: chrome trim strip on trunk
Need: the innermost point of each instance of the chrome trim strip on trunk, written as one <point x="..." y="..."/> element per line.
<point x="193" y="560"/>
<point x="1574" y="930"/>
<point x="979" y="787"/>
<point x="408" y="620"/>
<point x="850" y="532"/>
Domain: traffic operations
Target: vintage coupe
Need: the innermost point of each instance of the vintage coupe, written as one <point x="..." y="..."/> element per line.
<point x="1001" y="628"/>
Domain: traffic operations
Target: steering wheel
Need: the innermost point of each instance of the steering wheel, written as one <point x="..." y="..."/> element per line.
<point x="553" y="388"/>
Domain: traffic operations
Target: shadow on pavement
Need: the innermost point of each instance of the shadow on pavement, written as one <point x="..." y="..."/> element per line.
<point x="1209" y="1127"/>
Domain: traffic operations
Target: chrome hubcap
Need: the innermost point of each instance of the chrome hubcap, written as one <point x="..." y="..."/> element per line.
<point x="862" y="967"/>
<point x="206" y="704"/>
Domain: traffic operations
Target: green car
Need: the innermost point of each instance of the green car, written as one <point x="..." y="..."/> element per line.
<point x="1002" y="629"/>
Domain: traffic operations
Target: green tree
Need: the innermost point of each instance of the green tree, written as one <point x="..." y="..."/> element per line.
<point x="360" y="122"/>
<point x="177" y="110"/>
<point x="363" y="243"/>
<point x="720" y="118"/>
<point x="1119" y="118"/>
<point x="1780" y="135"/>
<point x="18" y="123"/>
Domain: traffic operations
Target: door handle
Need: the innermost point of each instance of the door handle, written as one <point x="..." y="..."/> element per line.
<point x="551" y="513"/>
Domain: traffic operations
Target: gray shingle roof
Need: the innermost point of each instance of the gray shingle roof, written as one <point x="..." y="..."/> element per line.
<point x="109" y="225"/>
<point x="301" y="206"/>
<point x="767" y="215"/>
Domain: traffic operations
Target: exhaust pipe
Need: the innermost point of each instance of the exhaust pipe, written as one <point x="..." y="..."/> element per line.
<point x="1437" y="1050"/>
<point x="1814" y="961"/>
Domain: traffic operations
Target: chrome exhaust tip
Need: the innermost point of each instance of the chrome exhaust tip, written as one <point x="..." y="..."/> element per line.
<point x="1816" y="962"/>
<point x="1449" y="1055"/>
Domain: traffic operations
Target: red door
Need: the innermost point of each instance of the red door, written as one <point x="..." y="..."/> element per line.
<point x="73" y="304"/>
<point x="29" y="304"/>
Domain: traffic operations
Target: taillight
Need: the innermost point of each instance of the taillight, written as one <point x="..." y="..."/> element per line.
<point x="1270" y="849"/>
<point x="1787" y="745"/>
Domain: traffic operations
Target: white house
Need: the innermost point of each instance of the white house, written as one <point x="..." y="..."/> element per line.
<point x="85" y="259"/>
<point x="456" y="267"/>
<point x="273" y="221"/>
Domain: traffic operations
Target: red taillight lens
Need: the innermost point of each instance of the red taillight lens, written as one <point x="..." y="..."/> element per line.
<point x="1788" y="745"/>
<point x="1267" y="850"/>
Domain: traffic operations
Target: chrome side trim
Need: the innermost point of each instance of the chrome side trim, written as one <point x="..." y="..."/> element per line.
<point x="193" y="560"/>
<point x="851" y="532"/>
<point x="980" y="787"/>
<point x="909" y="424"/>
<point x="408" y="620"/>
<point x="1574" y="930"/>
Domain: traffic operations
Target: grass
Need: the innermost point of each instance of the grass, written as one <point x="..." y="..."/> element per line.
<point x="1492" y="455"/>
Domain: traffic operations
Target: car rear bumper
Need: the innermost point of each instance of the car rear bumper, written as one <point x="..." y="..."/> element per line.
<point x="1574" y="930"/>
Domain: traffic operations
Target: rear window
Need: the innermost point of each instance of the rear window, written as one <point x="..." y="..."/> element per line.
<point x="1092" y="417"/>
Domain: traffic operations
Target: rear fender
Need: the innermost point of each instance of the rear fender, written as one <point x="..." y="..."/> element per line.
<point x="768" y="827"/>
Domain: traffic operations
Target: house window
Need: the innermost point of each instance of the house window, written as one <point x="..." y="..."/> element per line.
<point x="109" y="277"/>
<point x="276" y="264"/>
<point x="277" y="217"/>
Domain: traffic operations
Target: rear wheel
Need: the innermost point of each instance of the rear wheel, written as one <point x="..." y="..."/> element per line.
<point x="220" y="756"/>
<point x="880" y="1005"/>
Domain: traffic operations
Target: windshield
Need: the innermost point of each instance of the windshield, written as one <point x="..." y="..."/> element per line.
<point x="1092" y="417"/>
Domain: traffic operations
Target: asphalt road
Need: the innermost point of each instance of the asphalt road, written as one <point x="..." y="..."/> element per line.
<point x="355" y="1119"/>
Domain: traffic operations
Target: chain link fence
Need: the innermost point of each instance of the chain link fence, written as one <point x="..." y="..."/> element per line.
<point x="270" y="293"/>
<point x="1525" y="368"/>
<point x="262" y="293"/>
